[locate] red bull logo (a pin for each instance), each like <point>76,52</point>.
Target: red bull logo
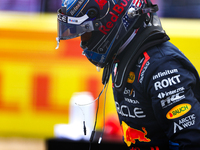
<point>131,134</point>
<point>115,12</point>
<point>101,3</point>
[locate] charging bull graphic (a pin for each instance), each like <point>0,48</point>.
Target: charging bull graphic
<point>131,134</point>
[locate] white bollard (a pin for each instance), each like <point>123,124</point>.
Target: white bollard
<point>82,108</point>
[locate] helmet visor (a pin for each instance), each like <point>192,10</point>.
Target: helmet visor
<point>69,31</point>
<point>71,27</point>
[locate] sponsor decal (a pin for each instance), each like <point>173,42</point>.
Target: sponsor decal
<point>62,18</point>
<point>79,3</point>
<point>167,82</point>
<point>125,111</point>
<point>115,12</point>
<point>131,134</point>
<point>162,95</point>
<point>131,77</point>
<point>173,97</point>
<point>132,101</point>
<point>143,71</point>
<point>73,20</point>
<point>165,73</point>
<point>101,3</point>
<point>144,67</point>
<point>129,92</point>
<point>178,111</point>
<point>184,123</point>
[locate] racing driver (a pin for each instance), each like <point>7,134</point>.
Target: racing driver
<point>156,88</point>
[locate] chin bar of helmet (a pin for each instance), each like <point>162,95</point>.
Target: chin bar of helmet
<point>132,12</point>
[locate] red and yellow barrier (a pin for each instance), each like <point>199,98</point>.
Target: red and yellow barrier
<point>37,81</point>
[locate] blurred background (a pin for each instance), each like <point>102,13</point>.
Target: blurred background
<point>37,82</point>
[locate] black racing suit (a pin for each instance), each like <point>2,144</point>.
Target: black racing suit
<point>160,102</point>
